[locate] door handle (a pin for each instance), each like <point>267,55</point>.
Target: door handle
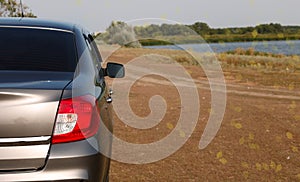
<point>109,99</point>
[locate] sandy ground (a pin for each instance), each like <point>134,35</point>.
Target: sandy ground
<point>259,139</point>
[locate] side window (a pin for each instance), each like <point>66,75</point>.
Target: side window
<point>95,48</point>
<point>95,55</point>
<point>88,44</point>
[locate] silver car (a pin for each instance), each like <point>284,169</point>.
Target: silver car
<point>49,130</point>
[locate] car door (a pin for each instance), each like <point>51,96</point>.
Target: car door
<point>103,101</point>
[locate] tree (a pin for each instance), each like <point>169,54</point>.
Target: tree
<point>12,8</point>
<point>201,28</point>
<point>122,34</point>
<point>269,28</point>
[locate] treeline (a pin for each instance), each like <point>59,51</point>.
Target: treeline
<point>272,28</point>
<point>186,33</point>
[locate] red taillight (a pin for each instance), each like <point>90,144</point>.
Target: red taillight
<point>76,120</point>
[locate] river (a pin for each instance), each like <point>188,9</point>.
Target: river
<point>276,47</point>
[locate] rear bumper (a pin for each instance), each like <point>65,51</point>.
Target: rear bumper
<point>77,161</point>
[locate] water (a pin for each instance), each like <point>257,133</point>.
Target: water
<point>276,47</point>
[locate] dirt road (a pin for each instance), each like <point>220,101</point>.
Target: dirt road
<point>259,139</point>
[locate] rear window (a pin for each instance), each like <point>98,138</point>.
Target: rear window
<point>29,49</point>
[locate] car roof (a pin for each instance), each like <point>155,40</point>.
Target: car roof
<point>36,22</point>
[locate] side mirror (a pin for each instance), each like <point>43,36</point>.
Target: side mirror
<point>114,70</point>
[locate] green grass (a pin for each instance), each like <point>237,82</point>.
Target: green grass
<point>250,37</point>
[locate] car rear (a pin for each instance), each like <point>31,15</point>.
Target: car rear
<point>46,134</point>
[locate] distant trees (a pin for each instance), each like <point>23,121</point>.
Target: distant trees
<point>269,28</point>
<point>165,34</point>
<point>200,27</point>
<point>12,8</point>
<point>204,29</point>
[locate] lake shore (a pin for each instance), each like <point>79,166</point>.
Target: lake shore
<point>198,39</point>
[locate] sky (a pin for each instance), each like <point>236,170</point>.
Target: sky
<point>97,15</point>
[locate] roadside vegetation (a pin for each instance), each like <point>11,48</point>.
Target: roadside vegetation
<point>249,58</point>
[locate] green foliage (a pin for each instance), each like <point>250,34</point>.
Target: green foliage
<point>217,38</point>
<point>269,28</point>
<point>200,27</point>
<point>261,29</point>
<point>152,42</point>
<point>177,33</point>
<point>12,8</point>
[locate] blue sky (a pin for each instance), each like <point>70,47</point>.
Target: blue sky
<point>98,14</point>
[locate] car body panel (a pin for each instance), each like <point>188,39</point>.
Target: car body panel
<point>29,101</point>
<point>77,161</point>
<point>28,110</point>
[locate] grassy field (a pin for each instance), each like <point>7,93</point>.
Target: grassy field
<point>259,139</point>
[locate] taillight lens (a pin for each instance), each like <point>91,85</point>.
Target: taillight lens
<point>77,119</point>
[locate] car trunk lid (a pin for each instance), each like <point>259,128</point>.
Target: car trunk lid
<point>28,107</point>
